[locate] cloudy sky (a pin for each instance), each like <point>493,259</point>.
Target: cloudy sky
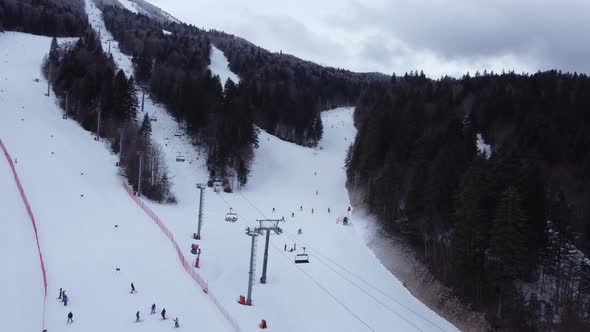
<point>438,36</point>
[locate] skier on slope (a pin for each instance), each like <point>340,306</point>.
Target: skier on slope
<point>176,322</point>
<point>65,299</point>
<point>70,318</point>
<point>132,288</point>
<point>137,316</point>
<point>300,232</point>
<point>292,214</point>
<point>153,309</point>
<point>163,313</point>
<point>60,293</point>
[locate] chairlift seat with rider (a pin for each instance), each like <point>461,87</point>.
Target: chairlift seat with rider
<point>180,158</point>
<point>230,216</point>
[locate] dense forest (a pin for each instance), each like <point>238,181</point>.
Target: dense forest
<point>500,227</point>
<point>104,101</point>
<point>56,18</point>
<point>174,68</point>
<point>288,93</point>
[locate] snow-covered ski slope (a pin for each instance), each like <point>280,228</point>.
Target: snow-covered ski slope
<point>76,195</point>
<point>220,66</point>
<point>344,287</point>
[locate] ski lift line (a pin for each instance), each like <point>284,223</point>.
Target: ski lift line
<point>310,277</point>
<point>323,288</point>
<point>318,253</point>
<point>351,273</point>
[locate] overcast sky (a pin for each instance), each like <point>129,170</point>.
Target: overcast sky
<point>438,36</point>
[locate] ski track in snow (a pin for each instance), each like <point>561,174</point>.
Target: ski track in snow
<point>343,288</point>
<point>220,66</point>
<point>58,162</point>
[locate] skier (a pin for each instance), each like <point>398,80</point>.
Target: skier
<point>292,214</point>
<point>285,247</point>
<point>316,192</point>
<point>163,313</point>
<point>273,210</point>
<point>176,322</point>
<point>301,208</point>
<point>300,232</point>
<point>137,316</point>
<point>294,246</point>
<point>60,293</point>
<point>311,210</point>
<point>65,299</point>
<point>70,318</point>
<point>328,210</point>
<point>132,288</point>
<point>153,309</point>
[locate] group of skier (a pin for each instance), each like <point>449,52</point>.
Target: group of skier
<point>152,311</point>
<point>64,298</point>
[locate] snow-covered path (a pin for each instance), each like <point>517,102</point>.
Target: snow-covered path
<point>72,184</point>
<point>344,287</point>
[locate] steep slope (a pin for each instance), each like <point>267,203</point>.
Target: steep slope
<point>88,226</point>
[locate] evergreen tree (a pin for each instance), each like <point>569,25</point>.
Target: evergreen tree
<point>243,173</point>
<point>145,130</point>
<point>508,252</point>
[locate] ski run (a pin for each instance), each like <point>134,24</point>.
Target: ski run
<point>96,240</point>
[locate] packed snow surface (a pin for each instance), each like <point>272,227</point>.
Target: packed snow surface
<point>131,6</point>
<point>220,66</point>
<point>482,147</point>
<point>75,191</point>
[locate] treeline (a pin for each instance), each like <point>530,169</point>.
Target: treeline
<point>288,93</point>
<point>104,101</point>
<point>57,18</point>
<point>174,67</point>
<point>502,229</point>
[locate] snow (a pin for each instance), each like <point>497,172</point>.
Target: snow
<point>130,6</point>
<point>482,147</point>
<point>343,288</point>
<point>58,162</point>
<point>220,66</point>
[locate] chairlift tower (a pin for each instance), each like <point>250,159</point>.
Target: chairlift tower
<point>267,226</point>
<point>254,234</point>
<point>201,187</point>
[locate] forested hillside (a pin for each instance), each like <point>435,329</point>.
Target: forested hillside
<point>289,93</point>
<point>104,101</point>
<point>57,18</point>
<point>500,228</point>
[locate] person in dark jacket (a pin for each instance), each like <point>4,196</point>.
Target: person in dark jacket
<point>132,288</point>
<point>65,299</point>
<point>153,309</point>
<point>176,322</point>
<point>70,318</point>
<point>163,313</point>
<point>137,316</point>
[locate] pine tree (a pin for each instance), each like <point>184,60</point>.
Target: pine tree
<point>508,252</point>
<point>145,130</point>
<point>243,173</point>
<point>54,52</point>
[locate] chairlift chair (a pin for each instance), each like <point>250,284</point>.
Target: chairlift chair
<point>178,134</point>
<point>302,258</point>
<point>153,118</point>
<point>230,216</point>
<point>180,158</point>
